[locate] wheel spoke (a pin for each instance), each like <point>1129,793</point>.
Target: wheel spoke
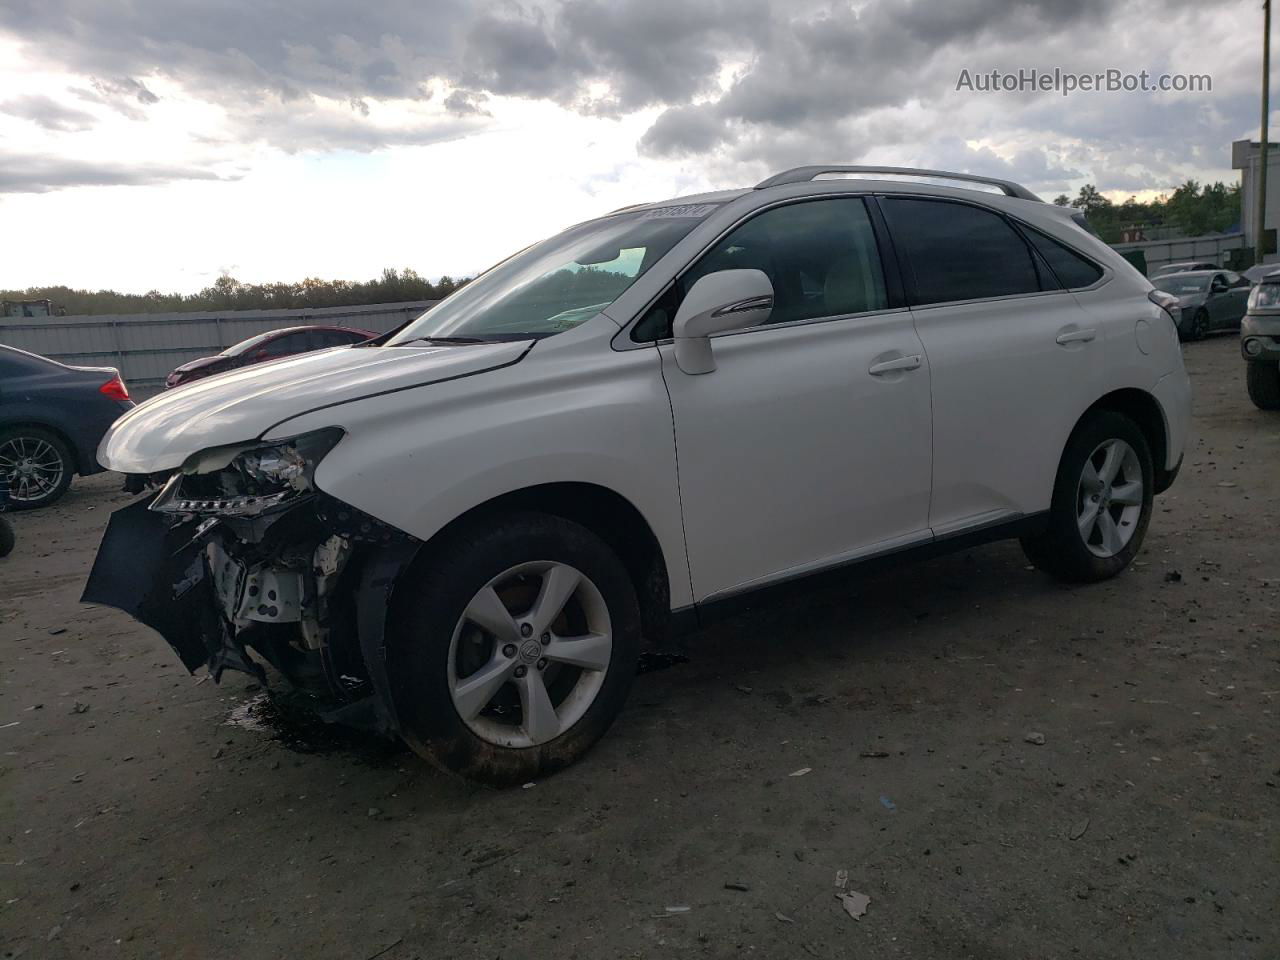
<point>472,694</point>
<point>488,612</point>
<point>591,652</point>
<point>1088,517</point>
<point>558,585</point>
<point>1089,478</point>
<point>1112,541</point>
<point>1111,463</point>
<point>541,723</point>
<point>1127,494</point>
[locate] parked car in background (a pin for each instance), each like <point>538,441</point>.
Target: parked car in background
<point>1259,270</point>
<point>51,418</point>
<point>1169,268</point>
<point>460,535</point>
<point>1260,344</point>
<point>273,345</point>
<point>1211,300</point>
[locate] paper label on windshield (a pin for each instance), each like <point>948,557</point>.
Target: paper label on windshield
<point>680,211</point>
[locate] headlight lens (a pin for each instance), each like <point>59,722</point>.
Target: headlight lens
<point>1264,296</point>
<point>247,479</point>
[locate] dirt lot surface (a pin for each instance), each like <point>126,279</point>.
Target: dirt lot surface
<point>137,821</point>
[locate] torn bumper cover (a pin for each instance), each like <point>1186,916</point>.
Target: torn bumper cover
<point>240,554</point>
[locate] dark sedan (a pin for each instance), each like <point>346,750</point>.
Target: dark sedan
<point>268,346</point>
<point>51,419</point>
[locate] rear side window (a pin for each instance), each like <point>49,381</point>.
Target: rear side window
<point>959,252</point>
<point>1071,269</point>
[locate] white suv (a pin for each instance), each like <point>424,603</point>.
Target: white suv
<point>459,534</point>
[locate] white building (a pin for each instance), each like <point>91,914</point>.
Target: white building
<point>1244,157</point>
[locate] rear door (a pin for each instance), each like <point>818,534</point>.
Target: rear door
<point>1012,355</point>
<point>808,445</point>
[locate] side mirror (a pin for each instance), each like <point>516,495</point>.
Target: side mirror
<point>718,302</point>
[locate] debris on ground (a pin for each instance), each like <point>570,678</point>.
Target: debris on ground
<point>842,879</point>
<point>782,917</point>
<point>1173,576</point>
<point>1079,829</point>
<point>874,754</point>
<point>736,885</point>
<point>888,804</point>
<point>374,813</point>
<point>679,909</point>
<point>855,904</point>
<point>801,772</point>
<point>1035,738</point>
<point>79,707</point>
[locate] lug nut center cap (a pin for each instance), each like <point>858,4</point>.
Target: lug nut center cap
<point>530,651</point>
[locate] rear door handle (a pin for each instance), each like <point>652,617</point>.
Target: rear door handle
<point>1077,336</point>
<point>889,366</point>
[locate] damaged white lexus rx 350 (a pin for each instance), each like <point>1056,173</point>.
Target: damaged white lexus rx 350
<point>459,534</point>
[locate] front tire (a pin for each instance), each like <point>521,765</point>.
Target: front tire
<point>1263,381</point>
<point>37,466</point>
<point>1101,502</point>
<point>514,649</point>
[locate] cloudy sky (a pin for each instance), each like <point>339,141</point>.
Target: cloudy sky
<point>158,143</point>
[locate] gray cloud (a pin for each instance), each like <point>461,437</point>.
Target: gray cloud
<point>48,113</point>
<point>745,85</point>
<point>25,173</point>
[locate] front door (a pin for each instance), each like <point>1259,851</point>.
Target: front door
<point>809,444</point>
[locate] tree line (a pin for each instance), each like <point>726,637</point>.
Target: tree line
<point>1192,209</point>
<point>228,293</point>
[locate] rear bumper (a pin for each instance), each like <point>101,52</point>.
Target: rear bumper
<point>1173,394</point>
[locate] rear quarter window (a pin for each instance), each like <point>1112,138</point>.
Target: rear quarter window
<point>1071,269</point>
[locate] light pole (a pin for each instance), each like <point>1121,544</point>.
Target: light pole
<point>1260,216</point>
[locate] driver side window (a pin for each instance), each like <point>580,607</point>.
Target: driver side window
<point>820,255</point>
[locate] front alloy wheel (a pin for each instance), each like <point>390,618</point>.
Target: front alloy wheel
<point>529,654</point>
<point>511,647</point>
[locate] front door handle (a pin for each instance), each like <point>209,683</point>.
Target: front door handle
<point>889,366</point>
<point>1077,336</point>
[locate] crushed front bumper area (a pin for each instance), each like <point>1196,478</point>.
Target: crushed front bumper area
<point>306,587</point>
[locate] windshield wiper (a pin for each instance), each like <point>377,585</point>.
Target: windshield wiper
<point>446,341</point>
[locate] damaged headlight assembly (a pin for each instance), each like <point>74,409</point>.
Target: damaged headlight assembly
<point>247,479</point>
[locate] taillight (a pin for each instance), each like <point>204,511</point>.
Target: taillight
<point>1168,303</point>
<point>115,389</point>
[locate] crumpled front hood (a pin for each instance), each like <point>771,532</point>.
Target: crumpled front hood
<point>243,404</point>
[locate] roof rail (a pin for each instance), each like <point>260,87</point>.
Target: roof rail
<point>805,174</point>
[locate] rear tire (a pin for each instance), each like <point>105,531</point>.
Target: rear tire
<point>1263,380</point>
<point>481,648</point>
<point>37,466</point>
<point>6,537</point>
<point>1198,329</point>
<point>1101,502</point>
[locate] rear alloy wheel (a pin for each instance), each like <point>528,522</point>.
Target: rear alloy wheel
<point>1198,328</point>
<point>513,649</point>
<point>1101,502</point>
<point>1263,380</point>
<point>36,465</point>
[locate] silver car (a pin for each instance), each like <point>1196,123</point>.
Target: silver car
<point>1210,299</point>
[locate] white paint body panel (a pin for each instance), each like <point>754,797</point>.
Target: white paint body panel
<point>792,455</point>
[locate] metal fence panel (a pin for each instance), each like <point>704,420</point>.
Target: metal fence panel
<point>145,347</point>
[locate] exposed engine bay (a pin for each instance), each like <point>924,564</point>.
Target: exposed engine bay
<point>241,555</point>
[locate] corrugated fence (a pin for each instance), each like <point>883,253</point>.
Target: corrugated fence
<point>146,346</point>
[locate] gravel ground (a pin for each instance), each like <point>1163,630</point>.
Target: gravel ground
<point>148,813</point>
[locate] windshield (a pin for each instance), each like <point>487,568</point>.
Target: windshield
<point>559,283</point>
<point>246,345</point>
<point>1180,285</point>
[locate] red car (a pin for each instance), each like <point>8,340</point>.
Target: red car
<point>268,346</point>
